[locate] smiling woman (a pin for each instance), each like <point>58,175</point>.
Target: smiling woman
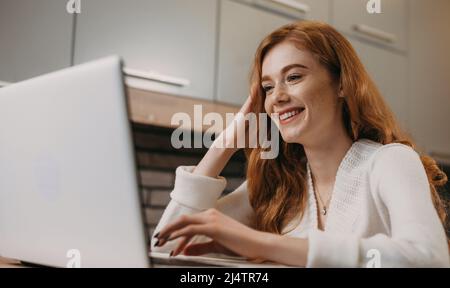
<point>341,153</point>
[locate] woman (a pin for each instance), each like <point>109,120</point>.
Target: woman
<point>346,182</point>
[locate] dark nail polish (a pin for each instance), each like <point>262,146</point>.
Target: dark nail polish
<point>156,235</point>
<point>171,253</point>
<point>157,242</point>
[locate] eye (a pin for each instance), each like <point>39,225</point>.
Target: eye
<point>293,77</point>
<point>267,88</point>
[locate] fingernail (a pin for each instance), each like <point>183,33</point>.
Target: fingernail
<point>171,253</point>
<point>156,235</point>
<point>157,242</point>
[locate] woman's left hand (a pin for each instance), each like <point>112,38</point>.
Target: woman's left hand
<point>228,235</point>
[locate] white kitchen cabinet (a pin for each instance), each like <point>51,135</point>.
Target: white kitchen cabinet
<point>243,24</point>
<point>389,72</point>
<point>241,30</point>
<point>429,77</point>
<point>35,38</point>
<point>172,41</point>
<point>295,9</point>
<point>388,28</point>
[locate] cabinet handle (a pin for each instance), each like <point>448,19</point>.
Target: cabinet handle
<point>293,5</point>
<point>155,76</point>
<point>375,33</point>
<point>3,84</point>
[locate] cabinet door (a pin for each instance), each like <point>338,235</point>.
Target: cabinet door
<point>242,28</point>
<point>295,9</point>
<point>389,71</point>
<point>429,77</point>
<point>172,39</point>
<point>35,38</point>
<point>388,28</point>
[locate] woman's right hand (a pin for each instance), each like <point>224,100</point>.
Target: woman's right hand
<point>237,128</point>
<point>225,145</point>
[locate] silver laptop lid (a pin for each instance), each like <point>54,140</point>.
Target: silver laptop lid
<point>68,186</point>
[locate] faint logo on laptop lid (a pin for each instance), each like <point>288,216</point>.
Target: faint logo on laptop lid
<point>47,178</point>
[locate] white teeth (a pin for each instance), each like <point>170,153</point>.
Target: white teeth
<point>287,115</point>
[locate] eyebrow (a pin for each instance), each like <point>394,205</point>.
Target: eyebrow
<point>285,69</point>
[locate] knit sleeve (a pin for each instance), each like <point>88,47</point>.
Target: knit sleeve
<point>417,239</point>
<point>195,193</point>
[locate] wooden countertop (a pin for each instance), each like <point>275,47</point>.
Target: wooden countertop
<point>154,108</point>
<point>9,263</point>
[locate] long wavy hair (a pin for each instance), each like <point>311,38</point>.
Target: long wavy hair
<point>277,187</point>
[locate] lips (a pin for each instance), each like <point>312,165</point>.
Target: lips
<point>289,114</point>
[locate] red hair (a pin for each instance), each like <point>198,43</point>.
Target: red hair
<point>277,187</point>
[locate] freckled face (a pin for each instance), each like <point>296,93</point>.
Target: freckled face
<point>302,91</point>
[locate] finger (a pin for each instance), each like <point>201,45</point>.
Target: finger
<point>253,94</point>
<point>248,101</point>
<point>200,248</point>
<point>181,245</point>
<point>245,108</point>
<point>257,260</point>
<point>189,231</point>
<point>247,105</point>
<point>179,223</point>
<point>207,247</point>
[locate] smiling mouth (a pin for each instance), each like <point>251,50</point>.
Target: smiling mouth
<point>288,116</point>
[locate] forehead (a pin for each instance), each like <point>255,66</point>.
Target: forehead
<point>284,54</point>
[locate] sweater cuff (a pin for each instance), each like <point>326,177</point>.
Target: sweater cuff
<point>196,191</point>
<point>326,249</point>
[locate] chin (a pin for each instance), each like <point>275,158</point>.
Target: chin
<point>291,136</point>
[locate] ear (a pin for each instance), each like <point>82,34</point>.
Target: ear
<point>341,92</point>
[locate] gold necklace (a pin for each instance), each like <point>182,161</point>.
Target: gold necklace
<point>324,207</point>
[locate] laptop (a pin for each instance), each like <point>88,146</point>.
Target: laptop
<point>69,194</point>
<point>68,183</point>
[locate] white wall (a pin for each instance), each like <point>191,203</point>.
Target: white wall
<point>429,74</point>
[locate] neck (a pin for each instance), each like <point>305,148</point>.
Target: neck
<point>325,156</point>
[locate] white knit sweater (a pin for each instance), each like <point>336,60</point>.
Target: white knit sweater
<point>381,209</point>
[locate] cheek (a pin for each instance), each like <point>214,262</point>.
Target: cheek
<point>268,110</point>
<point>324,110</point>
<point>267,106</point>
<point>320,97</point>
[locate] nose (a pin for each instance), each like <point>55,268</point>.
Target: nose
<point>280,95</point>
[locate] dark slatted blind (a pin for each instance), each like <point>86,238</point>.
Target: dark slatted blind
<point>157,161</point>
